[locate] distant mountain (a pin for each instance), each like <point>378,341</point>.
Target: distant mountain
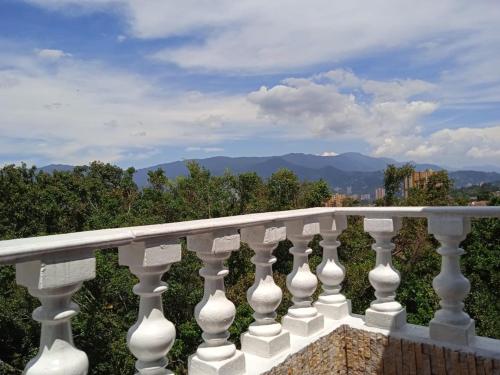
<point>467,178</point>
<point>350,161</point>
<point>362,173</point>
<point>483,168</point>
<point>57,167</point>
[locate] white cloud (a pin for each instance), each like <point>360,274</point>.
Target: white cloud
<point>328,153</point>
<point>256,35</point>
<point>204,149</point>
<point>259,36</point>
<point>51,54</point>
<point>462,146</point>
<point>313,106</point>
<point>75,111</point>
<point>121,38</point>
<point>391,122</point>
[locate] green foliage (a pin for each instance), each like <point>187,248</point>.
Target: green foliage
<point>393,178</point>
<point>103,196</point>
<point>314,194</point>
<point>283,190</point>
<point>482,264</point>
<point>485,192</point>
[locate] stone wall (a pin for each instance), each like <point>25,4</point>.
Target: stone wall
<point>352,351</point>
<point>326,356</point>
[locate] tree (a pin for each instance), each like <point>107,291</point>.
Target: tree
<point>283,190</point>
<point>438,189</point>
<point>393,179</point>
<point>314,194</point>
<point>251,193</point>
<point>104,196</point>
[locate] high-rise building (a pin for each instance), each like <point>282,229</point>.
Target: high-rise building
<point>379,193</point>
<point>416,180</point>
<point>336,200</point>
<point>349,190</point>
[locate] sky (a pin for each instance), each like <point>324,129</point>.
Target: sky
<point>141,82</point>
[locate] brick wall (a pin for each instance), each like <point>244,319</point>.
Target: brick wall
<point>352,351</point>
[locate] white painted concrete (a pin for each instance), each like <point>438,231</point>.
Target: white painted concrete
<point>215,313</point>
<point>385,311</point>
<point>331,303</point>
<point>265,336</point>
<point>12,251</point>
<point>451,323</point>
<point>302,318</point>
<point>152,336</point>
<point>53,282</point>
<point>54,267</point>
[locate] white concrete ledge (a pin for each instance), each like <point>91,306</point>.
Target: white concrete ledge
<point>14,251</point>
<point>25,249</point>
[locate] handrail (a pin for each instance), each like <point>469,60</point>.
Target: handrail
<point>467,211</point>
<point>24,249</point>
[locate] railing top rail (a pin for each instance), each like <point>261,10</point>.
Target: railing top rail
<point>467,211</point>
<point>24,249</point>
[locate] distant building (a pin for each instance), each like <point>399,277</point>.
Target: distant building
<point>336,200</point>
<point>379,193</point>
<point>416,180</point>
<point>349,190</point>
<point>479,203</point>
<point>365,197</point>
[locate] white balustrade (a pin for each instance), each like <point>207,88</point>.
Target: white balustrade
<point>53,280</point>
<point>54,267</point>
<point>265,336</point>
<point>451,322</point>
<point>215,313</point>
<point>302,318</point>
<point>331,303</point>
<point>152,336</point>
<point>385,311</point>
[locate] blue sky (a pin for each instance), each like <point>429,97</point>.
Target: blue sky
<point>144,82</point>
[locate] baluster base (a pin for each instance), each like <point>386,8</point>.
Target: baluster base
<point>335,311</point>
<point>153,367</point>
<point>49,361</point>
<point>234,365</point>
<point>456,334</point>
<point>385,319</point>
<point>263,346</point>
<point>303,326</point>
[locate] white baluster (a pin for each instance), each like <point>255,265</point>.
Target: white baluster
<point>152,336</point>
<point>265,337</point>
<point>54,280</point>
<point>215,313</point>
<point>451,323</point>
<point>385,311</point>
<point>302,318</point>
<point>331,303</point>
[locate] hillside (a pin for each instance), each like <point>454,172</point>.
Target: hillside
<point>361,172</point>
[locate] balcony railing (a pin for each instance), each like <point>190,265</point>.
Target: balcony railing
<point>54,267</point>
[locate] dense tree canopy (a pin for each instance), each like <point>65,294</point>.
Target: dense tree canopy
<point>100,195</point>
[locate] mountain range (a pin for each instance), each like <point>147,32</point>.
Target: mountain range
<point>362,173</point>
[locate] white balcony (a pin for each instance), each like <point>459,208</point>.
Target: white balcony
<point>54,267</point>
